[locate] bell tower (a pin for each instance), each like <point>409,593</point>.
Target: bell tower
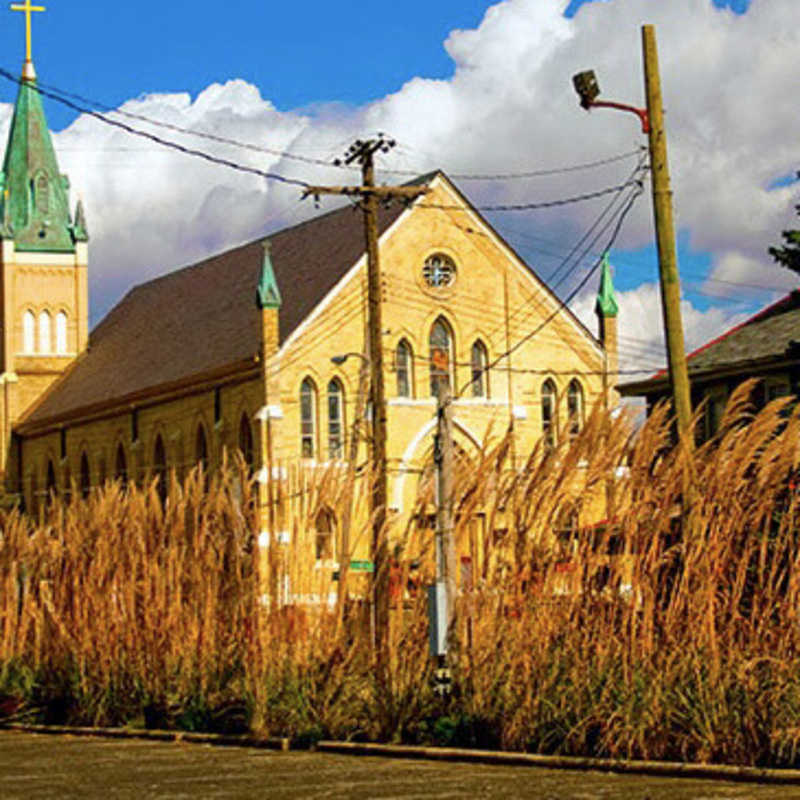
<point>44,295</point>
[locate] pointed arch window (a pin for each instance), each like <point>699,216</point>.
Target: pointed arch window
<point>160,469</point>
<point>28,332</point>
<point>479,364</point>
<point>324,527</point>
<point>246,441</point>
<point>549,406</point>
<point>575,410</point>
<point>440,343</point>
<point>86,476</point>
<point>45,345</point>
<point>120,465</point>
<point>308,418</point>
<point>335,420</point>
<point>61,333</point>
<point>404,367</point>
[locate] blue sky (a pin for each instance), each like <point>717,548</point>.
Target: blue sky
<point>297,53</point>
<point>336,70</point>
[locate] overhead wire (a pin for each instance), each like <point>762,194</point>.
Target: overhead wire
<point>634,195</point>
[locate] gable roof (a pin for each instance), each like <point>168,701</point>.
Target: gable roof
<point>204,317</point>
<point>771,334</point>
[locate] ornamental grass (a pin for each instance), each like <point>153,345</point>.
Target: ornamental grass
<point>669,631</point>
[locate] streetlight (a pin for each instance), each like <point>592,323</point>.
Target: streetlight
<point>652,119</point>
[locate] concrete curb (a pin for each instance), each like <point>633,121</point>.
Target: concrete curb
<point>218,739</point>
<point>664,769</point>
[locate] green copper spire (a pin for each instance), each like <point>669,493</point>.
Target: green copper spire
<point>267,293</point>
<point>606,301</point>
<point>35,204</point>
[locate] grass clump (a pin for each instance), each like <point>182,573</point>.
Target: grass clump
<point>671,632</point>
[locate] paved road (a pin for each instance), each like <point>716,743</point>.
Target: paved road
<point>34,766</point>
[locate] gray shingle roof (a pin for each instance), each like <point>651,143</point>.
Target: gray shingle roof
<point>773,333</point>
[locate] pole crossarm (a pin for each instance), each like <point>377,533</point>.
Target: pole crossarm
<point>386,192</point>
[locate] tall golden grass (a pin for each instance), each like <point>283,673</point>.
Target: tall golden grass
<point>672,631</point>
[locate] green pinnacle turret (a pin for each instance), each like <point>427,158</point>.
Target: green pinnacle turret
<point>606,305</point>
<point>267,293</point>
<point>35,200</point>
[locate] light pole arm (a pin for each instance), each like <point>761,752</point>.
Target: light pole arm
<point>644,117</point>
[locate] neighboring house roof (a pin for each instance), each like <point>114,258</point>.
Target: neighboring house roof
<point>772,335</point>
<point>205,317</point>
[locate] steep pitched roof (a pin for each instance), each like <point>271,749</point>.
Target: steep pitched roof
<point>772,333</point>
<point>205,317</point>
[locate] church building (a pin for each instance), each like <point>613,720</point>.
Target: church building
<point>260,348</point>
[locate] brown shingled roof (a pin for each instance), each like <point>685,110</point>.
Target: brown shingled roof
<point>204,317</point>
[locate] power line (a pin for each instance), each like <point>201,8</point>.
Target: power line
<point>634,195</point>
<point>564,201</point>
<point>538,173</point>
<point>164,142</point>
<point>105,107</point>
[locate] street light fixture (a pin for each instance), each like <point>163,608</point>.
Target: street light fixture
<point>588,90</point>
<point>342,357</point>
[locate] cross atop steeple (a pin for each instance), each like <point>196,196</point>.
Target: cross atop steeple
<point>28,9</point>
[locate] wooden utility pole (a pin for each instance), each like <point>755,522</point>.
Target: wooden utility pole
<point>665,238</point>
<point>347,514</point>
<point>363,152</point>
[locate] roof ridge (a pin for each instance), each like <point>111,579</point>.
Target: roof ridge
<point>422,179</point>
<point>762,314</point>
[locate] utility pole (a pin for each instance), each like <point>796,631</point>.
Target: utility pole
<point>363,152</point>
<point>652,119</point>
<point>352,458</point>
<point>665,237</point>
<point>443,456</point>
<point>442,595</point>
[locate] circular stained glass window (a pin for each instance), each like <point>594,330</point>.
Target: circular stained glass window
<point>439,271</point>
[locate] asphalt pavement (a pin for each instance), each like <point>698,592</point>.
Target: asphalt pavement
<point>39,767</point>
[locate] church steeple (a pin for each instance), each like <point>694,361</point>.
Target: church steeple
<point>35,204</point>
<point>606,301</point>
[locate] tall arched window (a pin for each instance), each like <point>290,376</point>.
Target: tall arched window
<point>480,375</point>
<point>335,420</point>
<point>441,348</point>
<point>45,344</point>
<point>575,407</point>
<point>404,367</point>
<point>120,465</point>
<point>28,332</point>
<point>61,333</point>
<point>246,441</point>
<point>86,476</point>
<point>160,469</point>
<point>549,406</point>
<point>201,447</point>
<point>324,526</point>
<point>308,418</point>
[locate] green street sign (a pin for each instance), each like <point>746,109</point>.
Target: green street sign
<point>362,566</point>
